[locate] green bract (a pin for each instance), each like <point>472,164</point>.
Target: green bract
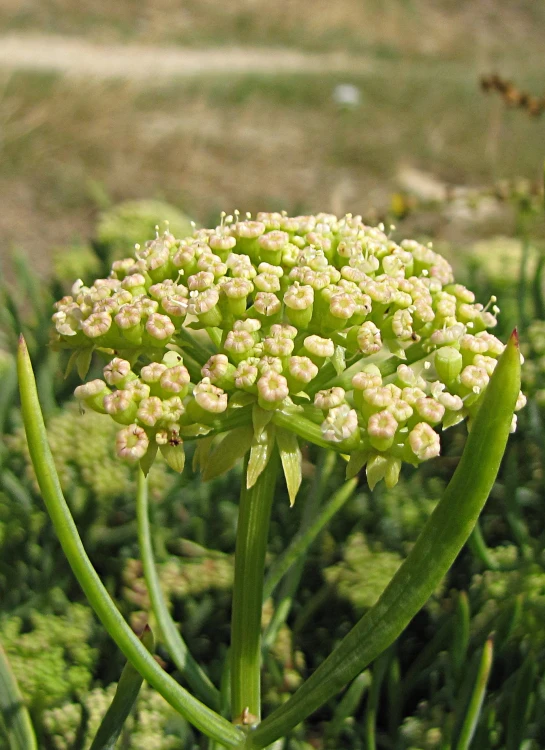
<point>283,328</point>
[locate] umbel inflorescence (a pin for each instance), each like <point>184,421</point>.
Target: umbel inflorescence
<point>279,329</point>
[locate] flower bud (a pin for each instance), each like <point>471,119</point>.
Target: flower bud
<point>208,401</point>
<point>448,363</point>
<point>246,376</point>
<point>272,389</point>
<point>96,325</point>
<point>129,320</point>
<point>220,371</point>
<point>301,370</point>
<point>429,410</point>
<point>151,373</point>
<point>299,305</point>
<point>369,338</point>
<point>150,411</point>
<point>330,398</point>
<point>236,292</point>
<point>121,406</point>
<point>267,307</point>
<point>175,380</point>
<point>239,345</point>
<point>92,394</point>
<point>204,306</point>
<point>381,429</point>
<point>424,442</point>
<point>318,349</point>
<point>132,443</point>
<point>118,372</point>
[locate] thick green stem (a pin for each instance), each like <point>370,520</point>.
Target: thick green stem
<point>251,544</point>
<point>196,678</point>
<point>292,561</point>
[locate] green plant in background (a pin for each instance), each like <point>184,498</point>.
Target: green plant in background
<point>279,331</point>
<point>122,226</point>
<point>57,646</point>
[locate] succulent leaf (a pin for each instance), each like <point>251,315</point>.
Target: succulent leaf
<point>290,455</point>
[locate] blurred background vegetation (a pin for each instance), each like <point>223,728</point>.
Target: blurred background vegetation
<point>117,116</point>
<point>90,115</point>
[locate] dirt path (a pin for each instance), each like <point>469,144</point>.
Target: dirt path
<point>78,57</point>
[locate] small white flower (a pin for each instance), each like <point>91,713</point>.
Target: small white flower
<point>340,424</point>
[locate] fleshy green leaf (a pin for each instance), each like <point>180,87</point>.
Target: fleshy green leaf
<point>260,419</point>
<point>232,447</point>
<point>123,701</point>
<point>260,453</point>
<point>71,363</point>
<point>17,721</point>
<point>391,476</point>
<point>521,703</point>
<point>202,451</point>
<point>83,362</point>
<point>202,717</point>
<point>194,430</point>
<point>438,545</point>
<point>460,632</point>
<point>240,399</point>
<point>338,360</point>
<point>356,462</point>
<point>376,469</point>
<point>471,699</point>
<point>290,455</point>
<point>148,458</point>
<point>174,455</point>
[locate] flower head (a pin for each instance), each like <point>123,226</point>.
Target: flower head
<point>298,328</point>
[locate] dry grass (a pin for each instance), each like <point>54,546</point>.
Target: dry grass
<point>484,29</point>
<point>247,143</point>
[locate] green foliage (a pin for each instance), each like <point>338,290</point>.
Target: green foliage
<point>154,725</point>
<point>87,465</point>
<point>77,261</point>
<point>363,574</point>
<point>180,579</point>
<point>492,591</point>
<point>121,227</point>
<point>50,655</point>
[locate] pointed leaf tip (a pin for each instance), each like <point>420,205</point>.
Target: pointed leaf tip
<point>22,344</point>
<point>515,337</point>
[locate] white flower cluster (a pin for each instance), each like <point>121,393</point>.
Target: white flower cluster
<point>325,319</point>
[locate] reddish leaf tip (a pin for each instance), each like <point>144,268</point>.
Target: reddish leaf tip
<point>515,337</point>
<point>22,342</point>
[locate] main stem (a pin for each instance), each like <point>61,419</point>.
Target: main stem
<point>251,545</point>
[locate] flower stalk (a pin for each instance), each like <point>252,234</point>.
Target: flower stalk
<point>196,678</point>
<point>251,544</point>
